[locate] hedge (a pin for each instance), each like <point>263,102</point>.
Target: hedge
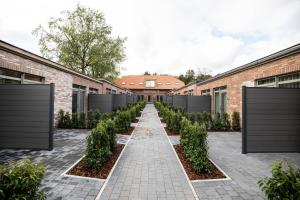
<point>101,141</point>
<point>194,142</point>
<point>21,180</point>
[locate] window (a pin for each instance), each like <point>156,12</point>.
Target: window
<point>14,77</point>
<point>93,91</point>
<point>140,97</point>
<point>108,91</point>
<point>78,98</point>
<point>205,92</point>
<point>289,81</point>
<point>113,91</point>
<point>266,82</point>
<point>284,81</point>
<point>168,83</point>
<point>31,79</point>
<point>141,83</point>
<point>123,83</point>
<point>220,99</point>
<point>159,83</point>
<point>150,83</point>
<point>131,83</point>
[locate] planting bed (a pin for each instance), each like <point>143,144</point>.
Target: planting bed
<point>129,132</point>
<point>169,132</point>
<point>214,172</point>
<point>80,170</point>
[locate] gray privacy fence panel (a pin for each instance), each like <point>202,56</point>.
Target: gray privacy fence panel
<point>271,120</point>
<point>169,99</point>
<point>180,101</point>
<point>131,99</point>
<point>101,102</point>
<point>26,116</point>
<point>198,104</point>
<point>119,100</point>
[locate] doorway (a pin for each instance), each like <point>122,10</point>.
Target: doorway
<point>149,100</point>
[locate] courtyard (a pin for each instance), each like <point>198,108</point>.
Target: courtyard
<point>148,167</point>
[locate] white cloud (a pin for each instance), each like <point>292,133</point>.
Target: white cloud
<point>171,36</point>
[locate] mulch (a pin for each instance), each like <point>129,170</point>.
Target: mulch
<point>214,172</point>
<point>81,170</point>
<point>135,120</point>
<point>129,132</point>
<point>169,132</point>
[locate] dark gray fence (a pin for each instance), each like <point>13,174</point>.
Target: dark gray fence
<point>189,103</point>
<point>26,116</point>
<point>198,104</point>
<point>109,102</point>
<point>119,101</point>
<point>100,102</point>
<point>271,120</point>
<point>180,101</point>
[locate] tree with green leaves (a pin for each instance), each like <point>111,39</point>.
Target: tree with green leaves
<point>191,76</point>
<point>81,40</point>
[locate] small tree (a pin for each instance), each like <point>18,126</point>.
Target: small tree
<point>236,126</point>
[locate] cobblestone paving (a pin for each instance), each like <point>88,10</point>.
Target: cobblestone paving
<point>148,169</point>
<point>69,146</point>
<point>244,169</point>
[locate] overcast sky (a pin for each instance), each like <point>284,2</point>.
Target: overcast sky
<point>171,36</point>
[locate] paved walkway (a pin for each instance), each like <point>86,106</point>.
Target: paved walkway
<point>148,169</point>
<point>69,146</point>
<point>244,169</point>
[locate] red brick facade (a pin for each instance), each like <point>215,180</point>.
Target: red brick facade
<point>16,59</point>
<point>248,77</point>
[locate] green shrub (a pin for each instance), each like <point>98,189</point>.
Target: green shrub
<point>194,142</point>
<point>98,147</point>
<point>111,131</point>
<point>75,121</point>
<point>236,126</point>
<point>123,121</point>
<point>82,120</point>
<point>191,116</point>
<point>133,113</point>
<point>207,120</point>
<point>284,183</point>
<point>93,117</point>
<point>61,119</point>
<point>217,122</point>
<point>175,121</point>
<point>185,125</point>
<point>68,120</point>
<point>225,122</point>
<point>21,180</point>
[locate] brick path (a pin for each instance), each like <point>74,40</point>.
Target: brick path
<point>69,146</point>
<point>148,169</point>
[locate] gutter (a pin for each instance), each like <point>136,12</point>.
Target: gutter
<point>267,59</point>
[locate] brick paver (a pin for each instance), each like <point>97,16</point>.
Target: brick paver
<point>244,169</point>
<point>148,169</point>
<point>69,146</point>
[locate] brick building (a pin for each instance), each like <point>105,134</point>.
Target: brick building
<point>18,66</point>
<point>150,87</point>
<point>281,69</point>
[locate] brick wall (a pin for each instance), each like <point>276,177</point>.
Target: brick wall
<point>235,82</point>
<point>63,80</point>
<point>186,89</point>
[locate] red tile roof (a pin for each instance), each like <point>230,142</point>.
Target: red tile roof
<point>139,82</point>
